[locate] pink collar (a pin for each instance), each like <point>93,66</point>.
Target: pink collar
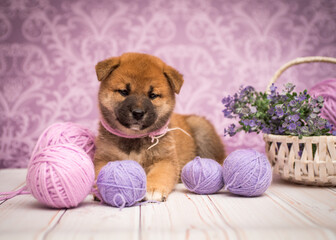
<point>118,133</point>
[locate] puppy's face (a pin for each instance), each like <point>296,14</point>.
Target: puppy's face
<point>137,92</point>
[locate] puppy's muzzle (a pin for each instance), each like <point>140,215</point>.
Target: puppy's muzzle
<point>138,114</point>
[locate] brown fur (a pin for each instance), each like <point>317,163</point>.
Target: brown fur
<point>162,163</point>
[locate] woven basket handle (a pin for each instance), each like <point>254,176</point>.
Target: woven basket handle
<point>296,62</point>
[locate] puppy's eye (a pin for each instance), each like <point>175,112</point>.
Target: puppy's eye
<point>123,92</point>
<point>153,96</point>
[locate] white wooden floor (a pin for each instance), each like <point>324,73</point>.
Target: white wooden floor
<point>285,211</point>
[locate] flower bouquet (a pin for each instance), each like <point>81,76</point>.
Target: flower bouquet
<point>300,144</point>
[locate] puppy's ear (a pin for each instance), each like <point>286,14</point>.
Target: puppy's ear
<point>174,78</point>
<point>106,67</point>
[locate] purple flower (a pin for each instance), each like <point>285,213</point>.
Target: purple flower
<point>334,133</point>
<point>266,130</point>
<point>226,100</point>
<point>302,97</point>
<point>246,122</point>
<point>292,103</point>
<point>295,117</point>
<point>247,90</point>
<point>272,93</point>
<point>321,123</point>
<point>329,125</point>
<point>291,127</point>
<point>231,105</point>
<point>232,126</point>
<point>271,111</point>
<point>279,111</point>
<point>292,118</point>
<point>276,113</point>
<point>252,123</point>
<point>273,88</point>
<point>227,113</point>
<point>230,130</point>
<point>281,130</point>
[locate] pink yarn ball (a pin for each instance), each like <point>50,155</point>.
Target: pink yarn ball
<point>67,132</point>
<point>60,176</point>
<point>327,89</point>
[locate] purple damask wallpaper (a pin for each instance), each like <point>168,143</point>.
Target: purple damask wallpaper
<point>48,50</point>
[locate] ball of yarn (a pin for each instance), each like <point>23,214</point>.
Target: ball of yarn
<point>122,183</point>
<point>247,173</point>
<point>327,89</point>
<point>202,176</point>
<point>60,176</point>
<point>67,132</point>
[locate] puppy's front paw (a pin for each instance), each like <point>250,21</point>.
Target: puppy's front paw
<point>161,180</point>
<point>155,195</point>
<point>157,191</point>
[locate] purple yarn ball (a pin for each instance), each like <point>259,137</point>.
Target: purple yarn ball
<point>122,183</point>
<point>202,176</point>
<point>247,173</point>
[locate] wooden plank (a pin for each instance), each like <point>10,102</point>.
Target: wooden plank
<point>92,220</point>
<point>268,217</point>
<point>22,217</point>
<point>318,204</point>
<point>183,216</point>
<point>11,179</point>
<point>285,211</point>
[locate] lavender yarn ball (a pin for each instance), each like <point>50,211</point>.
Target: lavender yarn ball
<point>327,89</point>
<point>122,183</point>
<point>202,176</point>
<point>247,173</point>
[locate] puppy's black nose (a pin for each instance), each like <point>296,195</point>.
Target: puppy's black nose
<point>138,114</point>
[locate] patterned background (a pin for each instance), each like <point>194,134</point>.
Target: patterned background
<point>48,50</point>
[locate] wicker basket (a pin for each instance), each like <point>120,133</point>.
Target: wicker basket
<point>310,160</point>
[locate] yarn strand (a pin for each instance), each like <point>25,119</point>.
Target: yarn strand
<point>157,138</point>
<point>8,195</point>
